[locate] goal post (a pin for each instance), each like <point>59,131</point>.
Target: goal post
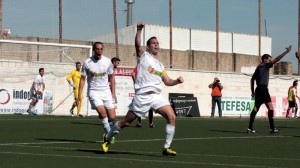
<point>48,44</point>
<point>17,75</point>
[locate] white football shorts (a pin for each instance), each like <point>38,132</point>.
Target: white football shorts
<point>101,98</point>
<point>141,104</point>
<point>34,95</point>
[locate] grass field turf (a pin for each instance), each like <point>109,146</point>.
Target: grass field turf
<point>53,141</point>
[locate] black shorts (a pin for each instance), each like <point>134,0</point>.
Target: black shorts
<point>262,95</point>
<point>292,104</point>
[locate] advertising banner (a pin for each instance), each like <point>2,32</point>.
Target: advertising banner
<point>124,89</point>
<point>185,106</point>
<point>236,105</point>
<point>243,105</point>
<point>16,101</point>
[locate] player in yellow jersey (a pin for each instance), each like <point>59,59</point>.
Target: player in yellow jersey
<point>75,75</point>
<point>292,95</point>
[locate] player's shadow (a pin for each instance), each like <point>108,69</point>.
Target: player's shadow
<point>84,123</point>
<point>283,127</point>
<point>118,152</point>
<point>238,132</point>
<point>65,140</point>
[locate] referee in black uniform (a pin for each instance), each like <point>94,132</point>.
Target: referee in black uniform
<point>261,94</point>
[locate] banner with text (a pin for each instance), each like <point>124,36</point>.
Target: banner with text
<point>236,105</point>
<point>243,105</point>
<point>16,101</point>
<point>124,89</point>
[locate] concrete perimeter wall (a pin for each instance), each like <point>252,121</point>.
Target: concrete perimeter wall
<point>188,60</point>
<point>19,74</point>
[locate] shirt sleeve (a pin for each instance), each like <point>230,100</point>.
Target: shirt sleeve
<point>110,69</point>
<point>269,64</point>
<point>84,69</point>
<point>36,80</point>
<point>70,76</point>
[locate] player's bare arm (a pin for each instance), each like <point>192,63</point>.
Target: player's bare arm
<point>171,82</point>
<point>278,58</point>
<point>133,77</point>
<point>113,86</point>
<point>35,86</point>
<point>138,47</point>
<point>81,84</point>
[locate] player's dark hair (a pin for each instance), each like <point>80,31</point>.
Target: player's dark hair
<point>41,69</point>
<point>149,40</point>
<point>96,43</point>
<point>77,63</point>
<point>295,82</point>
<point>115,59</point>
<point>265,56</point>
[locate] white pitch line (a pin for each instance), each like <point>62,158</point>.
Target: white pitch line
<point>147,140</point>
<point>204,138</point>
<point>139,160</point>
<point>184,154</point>
<point>147,152</point>
<point>242,157</point>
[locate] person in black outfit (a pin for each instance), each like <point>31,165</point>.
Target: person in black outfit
<point>261,94</point>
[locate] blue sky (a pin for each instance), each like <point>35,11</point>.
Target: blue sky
<point>83,19</point>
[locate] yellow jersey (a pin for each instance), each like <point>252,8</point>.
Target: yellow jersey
<point>75,75</point>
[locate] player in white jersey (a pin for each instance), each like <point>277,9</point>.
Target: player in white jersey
<point>148,86</point>
<point>36,91</point>
<point>99,70</point>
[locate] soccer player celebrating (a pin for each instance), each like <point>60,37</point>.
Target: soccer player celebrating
<point>148,87</point>
<point>99,70</point>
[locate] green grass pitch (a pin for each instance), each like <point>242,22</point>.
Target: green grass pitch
<point>55,141</point>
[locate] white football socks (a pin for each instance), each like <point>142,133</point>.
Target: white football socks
<point>170,131</point>
<point>105,124</point>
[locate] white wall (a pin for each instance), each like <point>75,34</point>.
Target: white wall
<point>17,74</point>
<point>234,85</point>
<point>194,39</point>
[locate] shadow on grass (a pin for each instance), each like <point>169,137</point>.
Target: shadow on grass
<point>99,124</point>
<point>238,132</point>
<point>85,123</point>
<point>281,127</point>
<point>118,153</point>
<point>65,140</point>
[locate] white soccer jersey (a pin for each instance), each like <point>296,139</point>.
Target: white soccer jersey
<point>97,72</point>
<point>149,76</point>
<point>39,80</point>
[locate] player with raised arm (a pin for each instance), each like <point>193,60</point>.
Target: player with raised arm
<point>261,93</point>
<point>148,86</point>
